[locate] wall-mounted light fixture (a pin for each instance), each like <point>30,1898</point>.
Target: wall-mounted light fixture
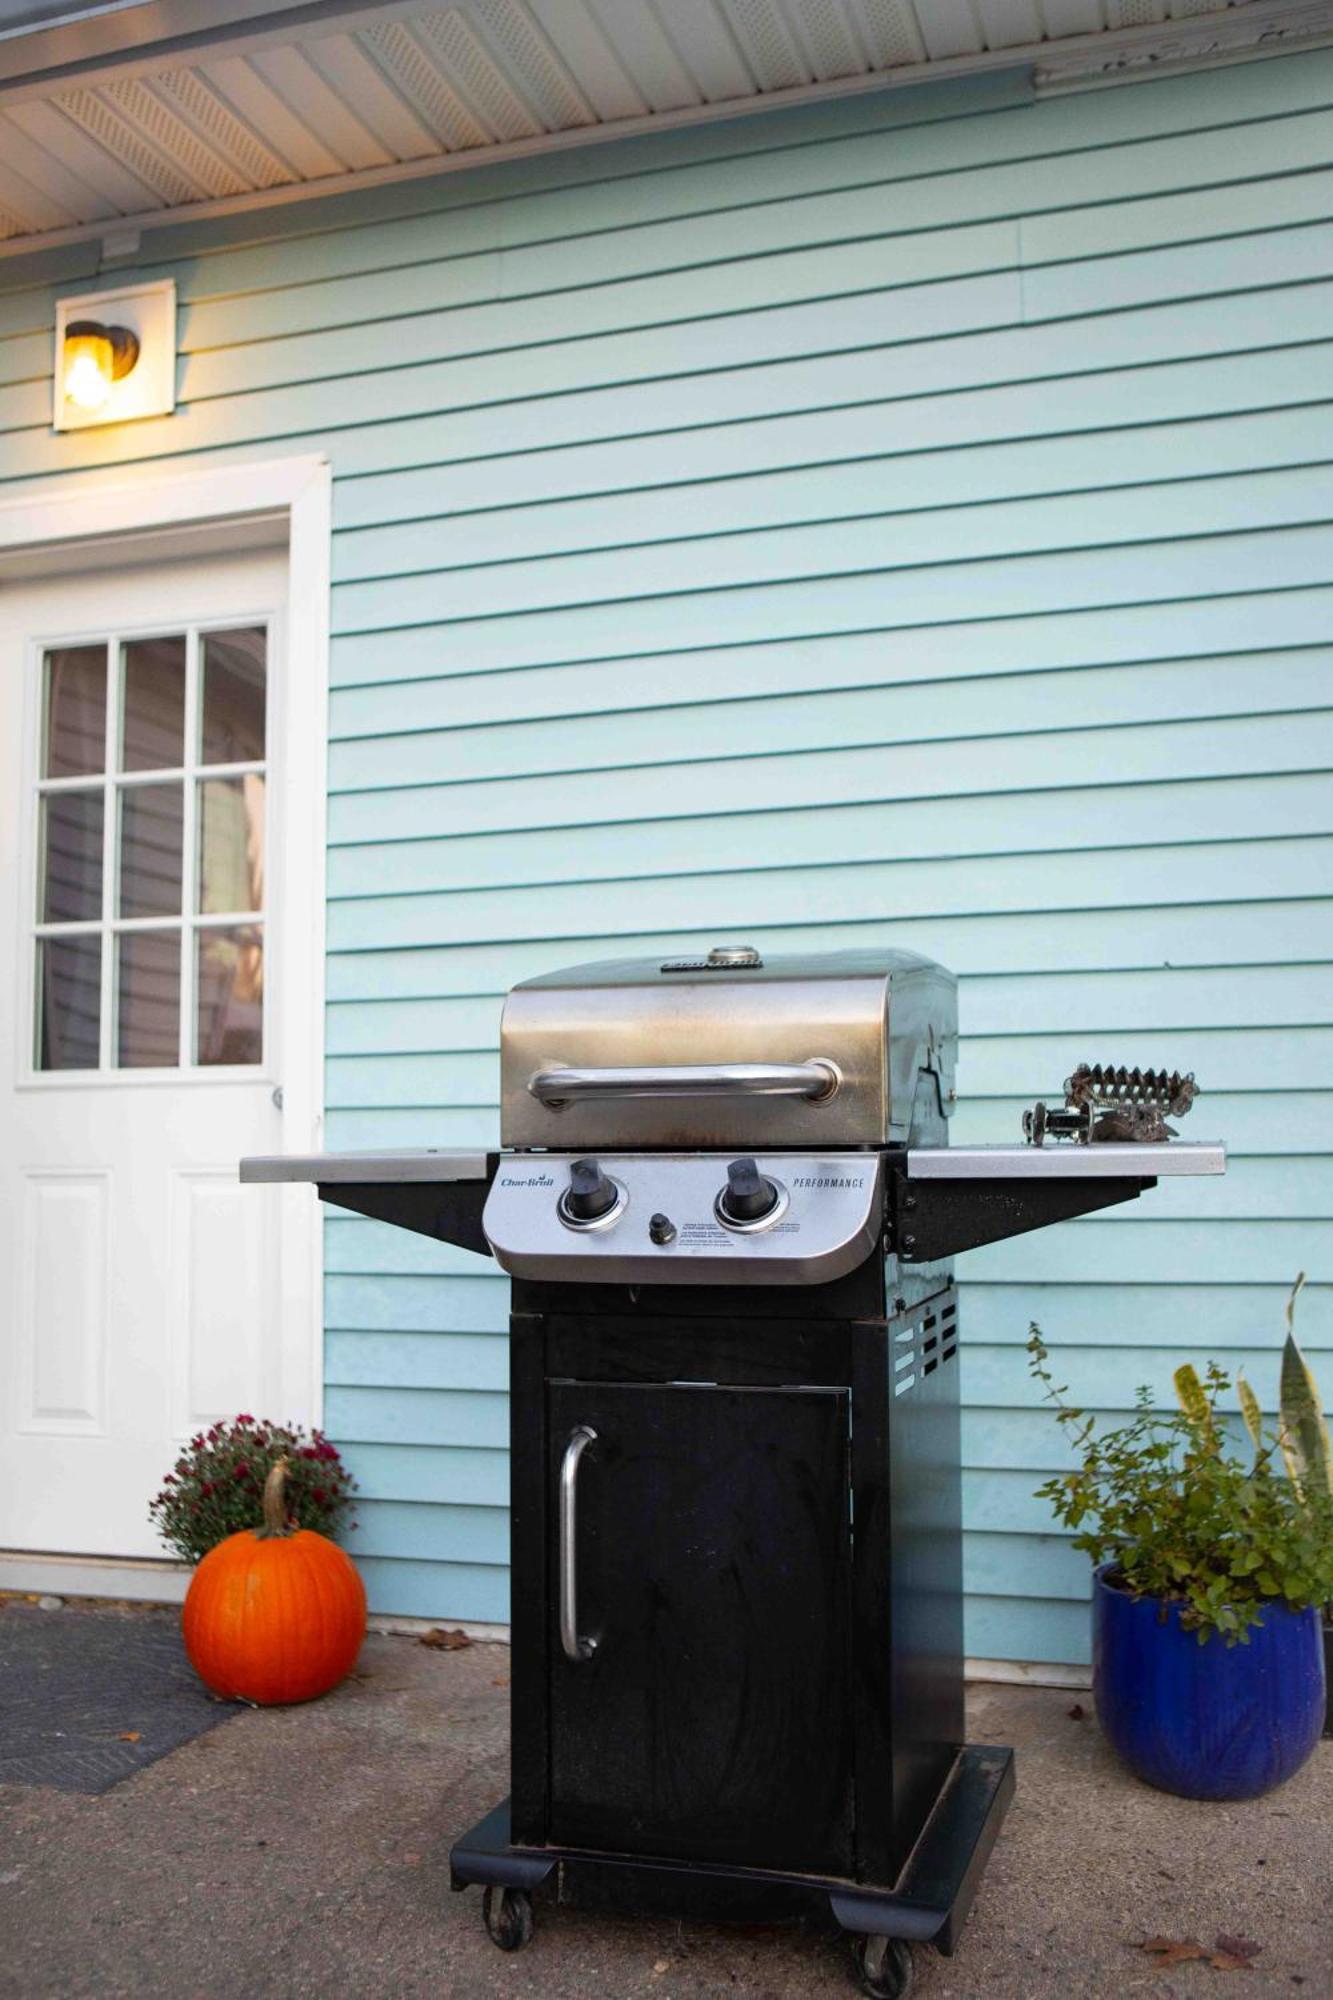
<point>115,356</point>
<point>95,357</point>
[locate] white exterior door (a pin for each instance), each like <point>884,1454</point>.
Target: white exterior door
<point>141,888</point>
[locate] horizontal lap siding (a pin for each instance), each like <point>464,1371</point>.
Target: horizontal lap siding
<point>909,522</point>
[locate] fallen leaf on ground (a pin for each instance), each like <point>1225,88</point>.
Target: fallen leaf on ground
<point>501,1683</point>
<point>444,1642</point>
<point>661,1966</point>
<point>1077,1712</point>
<point>129,1735</point>
<point>1173,1951</point>
<point>1226,1954</point>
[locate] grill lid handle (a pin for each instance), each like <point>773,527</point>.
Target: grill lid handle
<point>816,1079</point>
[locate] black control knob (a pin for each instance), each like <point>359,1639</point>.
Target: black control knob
<point>748,1195</point>
<point>661,1229</point>
<point>589,1194</point>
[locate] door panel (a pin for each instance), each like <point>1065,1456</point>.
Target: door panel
<point>141,1289</point>
<point>712,1720</point>
<point>60,1332</point>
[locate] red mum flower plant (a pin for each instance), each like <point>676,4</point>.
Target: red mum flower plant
<point>216,1487</point>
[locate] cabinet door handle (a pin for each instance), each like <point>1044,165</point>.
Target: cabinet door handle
<point>575,1647</point>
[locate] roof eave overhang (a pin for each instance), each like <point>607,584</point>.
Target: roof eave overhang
<point>102,47</point>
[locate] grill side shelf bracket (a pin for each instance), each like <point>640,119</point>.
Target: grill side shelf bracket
<point>943,1200</point>
<point>449,1212</point>
<point>934,1219</point>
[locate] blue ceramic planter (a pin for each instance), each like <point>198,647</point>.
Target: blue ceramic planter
<point>1206,1721</point>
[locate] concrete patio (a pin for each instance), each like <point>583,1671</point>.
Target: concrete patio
<point>304,1851</point>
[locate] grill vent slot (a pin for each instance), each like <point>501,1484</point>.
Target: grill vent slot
<point>922,1346</point>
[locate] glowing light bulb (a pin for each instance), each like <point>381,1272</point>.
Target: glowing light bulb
<point>96,357</point>
<point>88,372</point>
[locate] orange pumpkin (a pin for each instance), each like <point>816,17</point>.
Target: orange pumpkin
<point>274,1614</point>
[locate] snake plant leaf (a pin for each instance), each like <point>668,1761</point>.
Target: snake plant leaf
<point>1292,1297</point>
<point>1305,1439</point>
<point>1250,1410</point>
<point>1193,1401</point>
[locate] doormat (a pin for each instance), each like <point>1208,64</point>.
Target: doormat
<point>92,1697</point>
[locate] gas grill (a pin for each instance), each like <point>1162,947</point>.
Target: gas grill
<point>728,1207</point>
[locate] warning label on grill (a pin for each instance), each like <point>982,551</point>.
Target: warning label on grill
<point>717,1238</point>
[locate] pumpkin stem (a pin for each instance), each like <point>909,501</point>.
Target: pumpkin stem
<point>275,1502</point>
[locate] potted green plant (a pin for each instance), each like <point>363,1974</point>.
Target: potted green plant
<point>1211,1571</point>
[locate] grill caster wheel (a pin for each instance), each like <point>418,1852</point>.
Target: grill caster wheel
<point>883,1966</point>
<point>507,1915</point>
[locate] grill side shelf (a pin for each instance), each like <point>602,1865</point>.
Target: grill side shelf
<point>420,1163</point>
<point>440,1195</point>
<point>942,1201</point>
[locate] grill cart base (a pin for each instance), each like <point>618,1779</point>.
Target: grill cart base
<point>928,1903</point>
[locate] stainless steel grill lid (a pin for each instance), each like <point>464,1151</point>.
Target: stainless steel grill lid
<point>727,1049</point>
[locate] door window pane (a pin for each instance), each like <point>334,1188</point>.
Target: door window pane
<point>231,843</point>
<point>233,696</point>
<point>152,851</point>
<point>74,737</point>
<point>151,831</point>
<point>153,729</point>
<point>71,862</point>
<point>148,1000</point>
<point>229,1023</point>
<point>69,990</point>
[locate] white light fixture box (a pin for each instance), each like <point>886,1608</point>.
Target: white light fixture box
<point>115,356</point>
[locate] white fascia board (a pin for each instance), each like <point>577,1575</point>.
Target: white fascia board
<point>1257,30</point>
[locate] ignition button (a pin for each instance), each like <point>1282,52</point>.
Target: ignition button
<point>661,1229</point>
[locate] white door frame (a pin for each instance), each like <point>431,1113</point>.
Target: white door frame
<point>77,523</point>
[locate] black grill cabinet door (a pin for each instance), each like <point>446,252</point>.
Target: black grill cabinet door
<point>711,1720</point>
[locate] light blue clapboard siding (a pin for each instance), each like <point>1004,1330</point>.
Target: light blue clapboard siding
<point>906,522</point>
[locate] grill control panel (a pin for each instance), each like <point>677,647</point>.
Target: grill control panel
<point>685,1218</point>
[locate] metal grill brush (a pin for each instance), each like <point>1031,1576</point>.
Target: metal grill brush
<point>1130,1105</point>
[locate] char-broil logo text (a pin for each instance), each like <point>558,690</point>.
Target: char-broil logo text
<point>527,1180</point>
